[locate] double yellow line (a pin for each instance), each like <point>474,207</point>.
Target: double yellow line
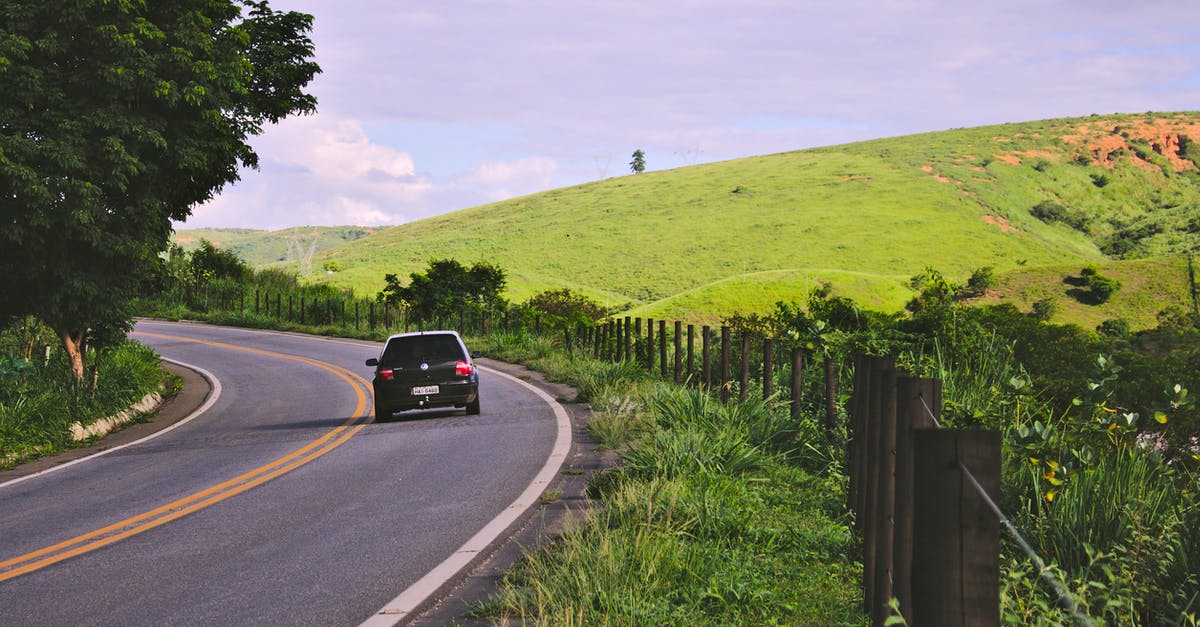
<point>41,558</point>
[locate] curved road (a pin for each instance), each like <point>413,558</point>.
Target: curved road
<point>281,504</point>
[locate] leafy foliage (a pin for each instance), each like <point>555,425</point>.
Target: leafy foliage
<point>446,289</point>
<point>565,306</point>
<point>118,117</point>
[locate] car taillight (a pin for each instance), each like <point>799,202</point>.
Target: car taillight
<point>463,369</point>
<point>386,374</point>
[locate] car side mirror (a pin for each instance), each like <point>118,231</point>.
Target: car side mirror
<point>372,362</point>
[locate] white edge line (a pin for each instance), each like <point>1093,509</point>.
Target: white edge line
<point>408,601</point>
<point>213,395</point>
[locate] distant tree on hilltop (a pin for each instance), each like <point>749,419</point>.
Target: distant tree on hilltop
<point>638,165</point>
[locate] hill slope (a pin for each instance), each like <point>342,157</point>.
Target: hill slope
<point>259,248</point>
<point>708,240</point>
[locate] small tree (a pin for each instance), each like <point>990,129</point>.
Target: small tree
<point>210,262</point>
<point>638,165</point>
<point>446,288</point>
<point>568,307</point>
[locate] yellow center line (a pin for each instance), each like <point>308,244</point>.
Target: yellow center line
<point>134,525</point>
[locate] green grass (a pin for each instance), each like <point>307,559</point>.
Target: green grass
<point>705,241</point>
<point>712,518</point>
<point>1147,287</point>
<point>40,400</point>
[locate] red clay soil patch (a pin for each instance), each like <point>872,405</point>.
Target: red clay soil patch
<point>1002,223</point>
<point>1009,159</point>
<point>1163,135</point>
<point>927,168</point>
<point>186,239</point>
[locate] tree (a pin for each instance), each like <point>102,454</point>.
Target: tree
<point>638,165</point>
<point>568,307</point>
<point>210,262</point>
<point>446,288</point>
<point>117,117</point>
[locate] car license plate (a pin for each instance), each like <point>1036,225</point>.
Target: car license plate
<point>425,390</point>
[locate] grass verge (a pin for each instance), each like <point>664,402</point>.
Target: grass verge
<point>715,516</point>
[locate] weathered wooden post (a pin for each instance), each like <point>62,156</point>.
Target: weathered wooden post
<point>744,387</point>
<point>885,495</point>
<point>691,354</point>
<point>662,348</point>
<point>628,340</point>
<point>705,354</point>
<point>913,395</point>
<point>768,383</point>
<point>648,352</point>
<point>678,351</point>
<point>871,472</point>
<point>956,536</point>
<point>725,364</point>
<point>797,382</point>
<point>857,435</point>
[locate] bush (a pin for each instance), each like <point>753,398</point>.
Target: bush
<point>1050,212</point>
<point>1044,309</point>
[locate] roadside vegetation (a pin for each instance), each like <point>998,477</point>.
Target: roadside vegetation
<point>40,399</point>
<point>718,514</point>
<point>1100,473</point>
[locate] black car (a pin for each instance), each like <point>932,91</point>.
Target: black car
<point>425,369</point>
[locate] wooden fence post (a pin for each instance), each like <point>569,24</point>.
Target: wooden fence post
<point>744,388</point>
<point>691,354</point>
<point>662,348</point>
<point>956,536</point>
<point>912,396</point>
<point>872,459</point>
<point>628,340</point>
<point>678,350</point>
<point>648,354</point>
<point>885,495</point>
<point>768,383</point>
<point>797,382</point>
<point>857,435</point>
<point>705,355</point>
<point>724,364</point>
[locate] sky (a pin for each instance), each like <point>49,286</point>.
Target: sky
<point>427,107</point>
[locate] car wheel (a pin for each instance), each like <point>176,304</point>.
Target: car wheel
<point>473,407</point>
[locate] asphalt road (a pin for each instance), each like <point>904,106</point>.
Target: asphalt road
<point>283,503</point>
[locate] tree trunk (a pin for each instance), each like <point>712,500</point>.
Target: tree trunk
<point>830,394</point>
<point>73,342</point>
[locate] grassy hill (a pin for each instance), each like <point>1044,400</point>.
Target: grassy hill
<point>1035,200</point>
<point>259,248</point>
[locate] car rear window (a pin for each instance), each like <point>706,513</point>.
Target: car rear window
<point>422,348</point>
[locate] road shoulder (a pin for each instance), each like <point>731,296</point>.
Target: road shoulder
<point>538,528</point>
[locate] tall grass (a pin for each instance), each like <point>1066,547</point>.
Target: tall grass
<point>39,399</point>
<point>1118,527</point>
<point>706,521</point>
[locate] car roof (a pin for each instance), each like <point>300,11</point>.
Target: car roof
<point>419,333</point>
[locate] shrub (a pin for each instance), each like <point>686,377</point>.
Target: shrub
<point>1050,212</point>
<point>1044,309</point>
<point>1115,328</point>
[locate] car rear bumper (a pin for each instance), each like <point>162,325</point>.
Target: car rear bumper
<point>399,396</point>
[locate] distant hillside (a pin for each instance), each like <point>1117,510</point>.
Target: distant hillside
<point>704,241</point>
<point>259,248</point>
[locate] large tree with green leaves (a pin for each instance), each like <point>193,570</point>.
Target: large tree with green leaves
<point>116,117</point>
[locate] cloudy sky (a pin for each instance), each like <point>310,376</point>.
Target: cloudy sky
<point>426,107</point>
